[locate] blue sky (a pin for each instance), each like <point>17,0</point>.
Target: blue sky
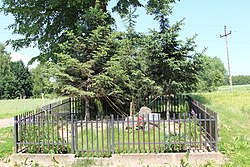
<point>206,18</point>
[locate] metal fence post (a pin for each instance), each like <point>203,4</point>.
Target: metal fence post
<point>113,135</point>
<point>15,134</point>
<point>216,131</point>
<point>72,134</point>
<point>70,101</point>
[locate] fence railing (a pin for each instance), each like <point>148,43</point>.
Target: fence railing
<point>62,128</point>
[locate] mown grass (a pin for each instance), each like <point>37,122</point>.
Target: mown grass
<point>6,142</point>
<point>10,108</point>
<point>234,117</point>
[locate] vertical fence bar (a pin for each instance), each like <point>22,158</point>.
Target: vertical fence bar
<point>190,136</point>
<point>72,134</point>
<point>149,134</point>
<point>205,126</point>
<point>185,135</point>
<point>76,137</point>
<point>67,132</point>
<point>164,134</point>
<point>200,126</point>
<point>20,131</point>
<point>210,131</point>
<point>123,133</point>
<point>97,144</point>
<point>87,135</point>
<point>82,135</point>
<point>139,129</point>
<point>154,132</point>
<point>16,133</point>
<point>133,132</point>
<point>25,126</point>
<point>57,131</point>
<point>53,137</point>
<point>174,130</point>
<point>159,131</point>
<point>92,137</point>
<point>102,137</point>
<point>216,131</point>
<point>43,133</point>
<point>128,128</point>
<point>118,133</point>
<point>143,133</point>
<point>29,129</point>
<point>113,135</point>
<point>169,131</point>
<point>62,132</point>
<point>179,130</point>
<point>195,119</point>
<point>108,136</point>
<point>39,146</point>
<point>47,119</point>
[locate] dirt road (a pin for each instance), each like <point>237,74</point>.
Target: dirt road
<point>6,122</point>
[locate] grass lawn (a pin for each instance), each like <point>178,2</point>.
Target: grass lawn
<point>10,108</point>
<point>234,119</point>
<point>6,142</point>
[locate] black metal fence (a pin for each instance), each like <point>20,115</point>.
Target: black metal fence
<point>178,123</point>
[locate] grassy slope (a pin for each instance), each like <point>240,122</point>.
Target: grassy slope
<point>10,108</point>
<point>234,117</point>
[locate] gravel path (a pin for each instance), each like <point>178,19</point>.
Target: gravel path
<point>6,122</point>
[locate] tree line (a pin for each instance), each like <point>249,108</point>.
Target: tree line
<point>15,78</point>
<point>82,53</point>
<point>241,79</point>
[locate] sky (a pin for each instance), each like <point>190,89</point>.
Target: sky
<point>206,18</point>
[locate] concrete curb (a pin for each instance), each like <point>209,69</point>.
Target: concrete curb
<point>156,160</point>
<point>43,159</point>
<point>133,160</point>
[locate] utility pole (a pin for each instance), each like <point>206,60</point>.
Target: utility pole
<point>228,60</point>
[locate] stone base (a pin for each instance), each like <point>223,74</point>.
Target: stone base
<point>133,160</point>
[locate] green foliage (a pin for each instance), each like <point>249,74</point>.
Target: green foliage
<point>84,163</point>
<point>43,81</point>
<point>175,147</point>
<point>15,80</point>
<point>87,57</point>
<point>23,78</point>
<point>212,75</point>
<point>241,80</point>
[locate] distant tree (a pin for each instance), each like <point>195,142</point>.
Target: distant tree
<point>15,79</point>
<point>241,79</point>
<point>212,75</point>
<point>23,78</point>
<point>41,79</point>
<point>5,70</point>
<point>4,61</point>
